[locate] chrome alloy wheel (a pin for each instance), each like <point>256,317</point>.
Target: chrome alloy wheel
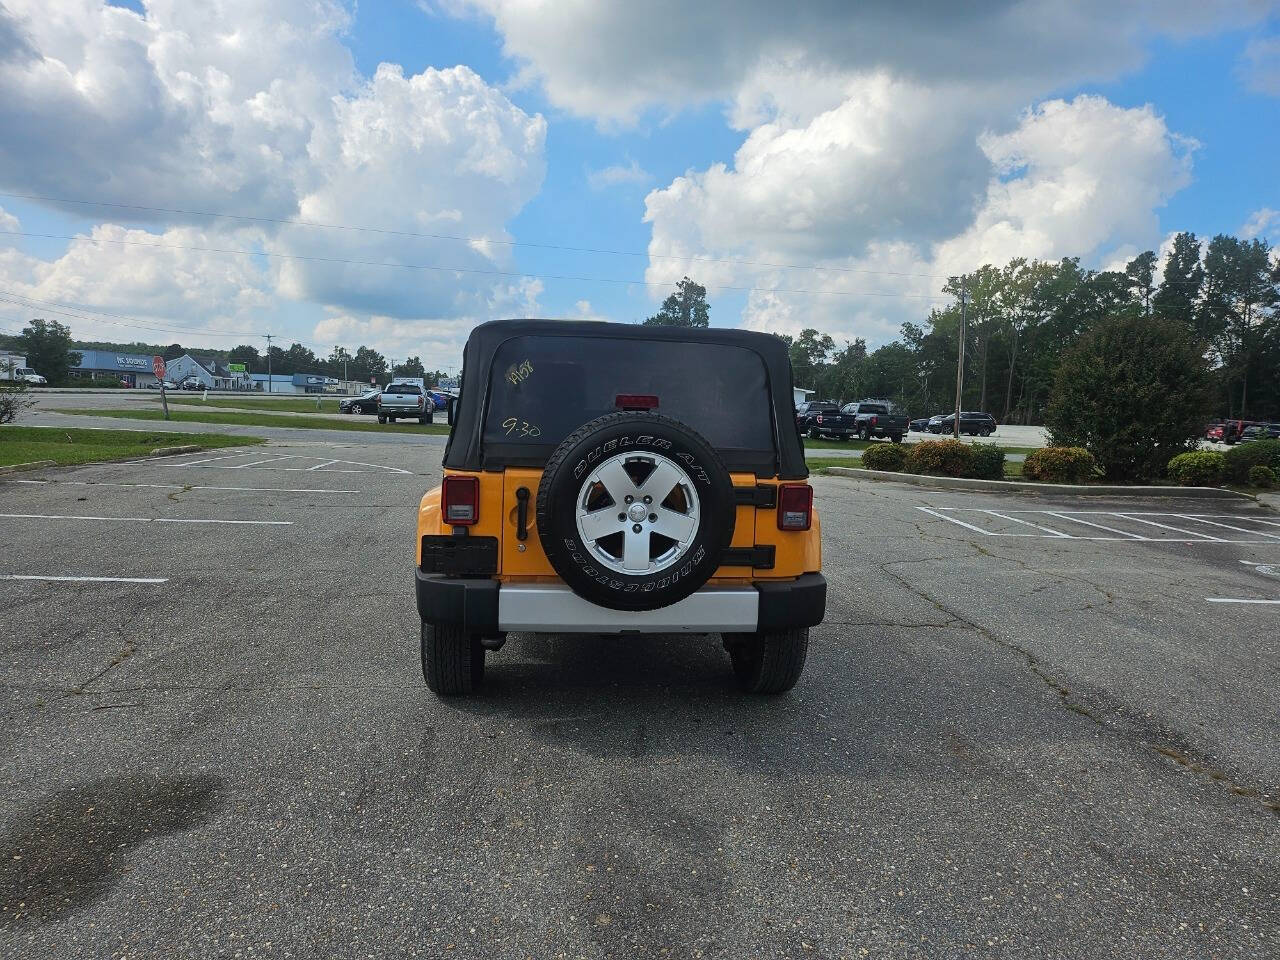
<point>637,513</point>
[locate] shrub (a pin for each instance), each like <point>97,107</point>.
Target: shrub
<point>884,456</point>
<point>949,458</point>
<point>1261,476</point>
<point>1060,465</point>
<point>1199,468</point>
<point>1243,457</point>
<point>1132,391</point>
<point>13,400</point>
<point>988,461</point>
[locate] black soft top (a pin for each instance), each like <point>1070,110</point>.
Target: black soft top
<point>466,449</point>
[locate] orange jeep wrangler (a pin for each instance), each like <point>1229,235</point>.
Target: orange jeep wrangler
<point>607,478</point>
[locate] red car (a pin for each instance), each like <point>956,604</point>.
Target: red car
<point>1214,432</point>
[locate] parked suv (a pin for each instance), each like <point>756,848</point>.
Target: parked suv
<point>608,478</point>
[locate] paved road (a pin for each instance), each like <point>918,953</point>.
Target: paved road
<point>1010,740</point>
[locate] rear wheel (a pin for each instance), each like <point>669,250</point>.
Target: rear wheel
<point>864,434</point>
<point>382,418</point>
<point>813,433</point>
<point>768,662</point>
<point>452,659</point>
<point>896,438</point>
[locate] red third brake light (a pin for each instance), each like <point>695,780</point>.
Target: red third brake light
<point>795,506</point>
<point>636,401</point>
<point>460,501</point>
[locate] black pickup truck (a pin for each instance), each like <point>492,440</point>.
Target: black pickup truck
<point>875,418</point>
<point>818,418</point>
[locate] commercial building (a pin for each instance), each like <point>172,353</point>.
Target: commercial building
<point>131,368</point>
<point>294,383</point>
<point>214,374</point>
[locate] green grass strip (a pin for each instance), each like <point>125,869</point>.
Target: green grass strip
<point>69,445</point>
<point>228,417</point>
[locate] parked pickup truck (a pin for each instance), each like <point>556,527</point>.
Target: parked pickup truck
<point>818,418</point>
<point>874,418</point>
<point>403,400</point>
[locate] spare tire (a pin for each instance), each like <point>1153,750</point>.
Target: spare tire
<point>635,511</point>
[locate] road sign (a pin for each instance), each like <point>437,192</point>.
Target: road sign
<point>157,367</point>
<point>236,367</point>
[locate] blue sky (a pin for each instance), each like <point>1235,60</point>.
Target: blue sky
<point>876,156</point>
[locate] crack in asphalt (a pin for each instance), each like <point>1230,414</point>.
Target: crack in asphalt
<point>1181,753</point>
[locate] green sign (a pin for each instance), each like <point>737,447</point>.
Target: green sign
<point>236,367</point>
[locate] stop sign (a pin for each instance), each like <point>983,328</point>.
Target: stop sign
<point>157,367</point>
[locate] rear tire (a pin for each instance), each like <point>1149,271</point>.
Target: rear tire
<point>864,435</point>
<point>813,433</point>
<point>896,438</point>
<point>768,662</point>
<point>381,418</point>
<point>452,660</point>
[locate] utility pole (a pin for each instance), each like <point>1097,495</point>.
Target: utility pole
<point>964,302</point>
<point>269,339</point>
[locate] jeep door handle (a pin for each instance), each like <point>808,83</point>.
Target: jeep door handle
<point>522,513</point>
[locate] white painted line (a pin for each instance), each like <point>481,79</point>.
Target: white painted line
<point>59,516</point>
<point>325,464</point>
<point>1189,533</point>
<point>942,516</point>
<point>257,463</point>
<point>1056,533</point>
<point>182,486</point>
<point>1227,526</point>
<point>219,466</point>
<point>1089,523</point>
<point>26,576</point>
<point>1238,600</point>
<point>192,463</point>
<point>1270,523</point>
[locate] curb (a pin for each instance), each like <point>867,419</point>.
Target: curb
<point>32,465</point>
<point>175,451</point>
<point>1023,486</point>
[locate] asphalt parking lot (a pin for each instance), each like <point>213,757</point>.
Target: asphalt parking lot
<point>1020,734</point>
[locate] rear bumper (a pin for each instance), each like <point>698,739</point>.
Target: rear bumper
<point>488,607</point>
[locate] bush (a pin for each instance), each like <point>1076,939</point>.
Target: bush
<point>948,458</point>
<point>13,400</point>
<point>1060,465</point>
<point>1243,457</point>
<point>1132,391</point>
<point>988,461</point>
<point>884,456</point>
<point>1260,476</point>
<point>1199,468</point>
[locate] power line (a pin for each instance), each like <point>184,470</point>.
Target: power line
<point>464,239</point>
<point>470,270</point>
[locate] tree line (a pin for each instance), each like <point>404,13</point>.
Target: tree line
<point>51,350</point>
<point>1023,317</point>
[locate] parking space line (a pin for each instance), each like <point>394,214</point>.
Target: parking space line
<point>1056,533</point>
<point>1189,533</point>
<point>178,486</point>
<point>1227,526</point>
<point>258,463</point>
<point>1239,600</point>
<point>325,464</point>
<point>60,516</point>
<point>1089,523</point>
<point>969,526</point>
<point>28,576</point>
<point>192,463</point>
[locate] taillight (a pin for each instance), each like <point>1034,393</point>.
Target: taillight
<point>636,402</point>
<point>795,506</point>
<point>422,401</point>
<point>460,501</point>
<point>874,419</point>
<point>819,418</point>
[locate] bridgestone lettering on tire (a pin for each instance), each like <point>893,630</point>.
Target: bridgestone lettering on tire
<point>634,511</point>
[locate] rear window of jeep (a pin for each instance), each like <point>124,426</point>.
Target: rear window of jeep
<point>544,388</point>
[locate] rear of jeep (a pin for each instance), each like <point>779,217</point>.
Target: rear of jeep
<point>609,479</point>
